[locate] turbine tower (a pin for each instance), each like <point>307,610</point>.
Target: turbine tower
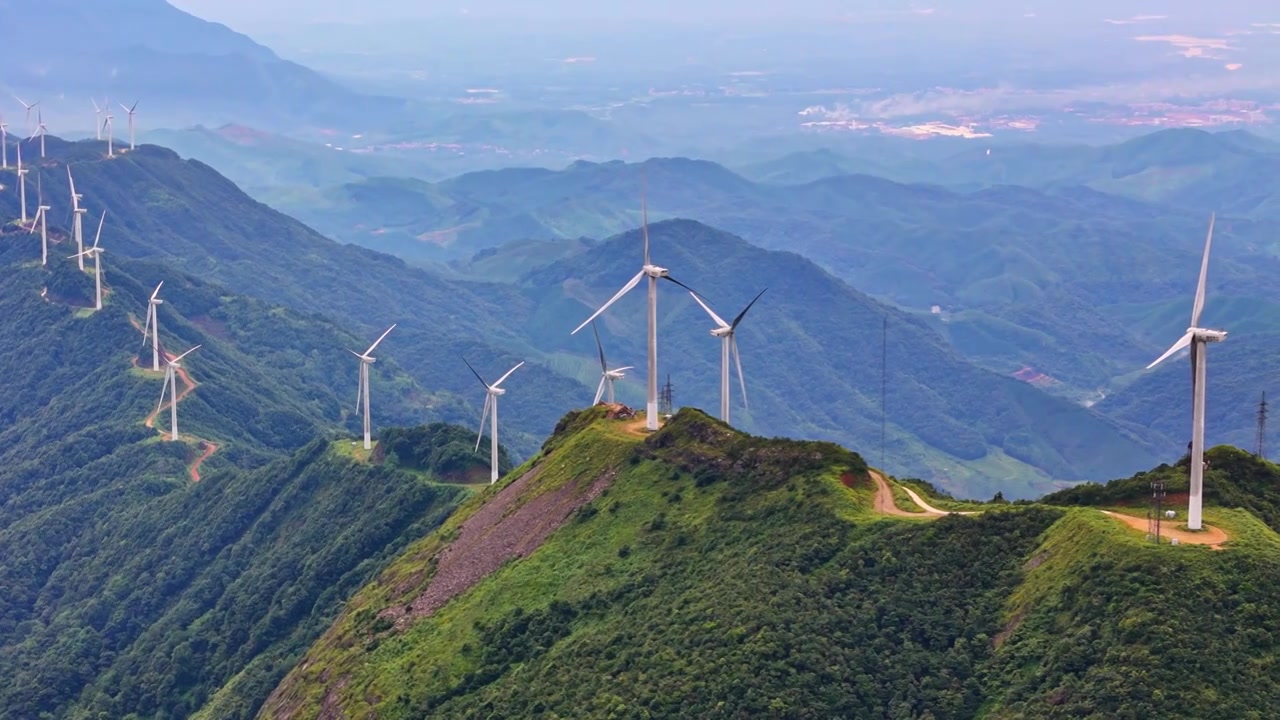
<point>1197,338</point>
<point>41,131</point>
<point>171,389</point>
<point>491,411</point>
<point>77,217</point>
<point>41,219</point>
<point>131,111</point>
<point>22,185</point>
<point>153,327</point>
<point>362,393</point>
<point>607,376</point>
<point>654,273</point>
<point>95,252</point>
<point>97,119</point>
<point>728,345</point>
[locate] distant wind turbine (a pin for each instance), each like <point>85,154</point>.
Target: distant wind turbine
<point>41,219</point>
<point>97,119</point>
<point>29,107</point>
<point>22,186</point>
<point>171,389</point>
<point>654,273</point>
<point>77,218</point>
<point>607,376</point>
<point>362,394</point>
<point>491,410</point>
<point>4,144</point>
<point>95,252</point>
<point>107,127</point>
<point>41,131</point>
<point>131,111</point>
<point>728,344</point>
<point>1197,338</point>
<point>153,327</point>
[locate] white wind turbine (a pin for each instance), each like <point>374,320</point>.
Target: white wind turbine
<point>1197,338</point>
<point>491,410</point>
<point>362,393</point>
<point>653,272</point>
<point>607,376</point>
<point>171,389</point>
<point>131,111</point>
<point>153,327</point>
<point>22,185</point>
<point>77,217</point>
<point>106,126</point>
<point>97,119</point>
<point>29,107</point>
<point>95,252</point>
<point>41,219</point>
<point>41,131</point>
<point>728,344</point>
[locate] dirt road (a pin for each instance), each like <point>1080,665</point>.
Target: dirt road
<point>1211,536</point>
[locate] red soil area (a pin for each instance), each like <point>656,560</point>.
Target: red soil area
<point>499,531</point>
<point>209,449</point>
<point>1211,536</point>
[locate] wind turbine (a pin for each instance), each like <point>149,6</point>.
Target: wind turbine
<point>29,107</point>
<point>42,219</point>
<point>77,215</point>
<point>153,327</point>
<point>131,111</point>
<point>171,389</point>
<point>22,185</point>
<point>607,376</point>
<point>362,394</point>
<point>491,410</point>
<point>106,125</point>
<point>728,344</point>
<point>95,252</point>
<point>653,272</point>
<point>1198,338</point>
<point>41,131</point>
<point>97,119</point>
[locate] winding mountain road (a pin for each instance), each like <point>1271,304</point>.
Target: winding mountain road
<point>188,385</point>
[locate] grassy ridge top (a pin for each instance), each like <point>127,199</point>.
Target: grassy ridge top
<point>722,575</point>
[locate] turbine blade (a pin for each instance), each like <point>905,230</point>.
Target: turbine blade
<point>603,366</point>
<point>1198,307</point>
<point>72,181</point>
<point>164,389</point>
<point>1183,342</point>
<point>179,358</point>
<point>157,290</point>
<point>484,415</point>
<point>710,312</point>
<point>380,339</point>
<point>359,387</point>
<point>625,289</point>
<point>600,390</point>
<point>737,359</point>
<point>644,217</point>
<point>745,309</point>
<point>629,367</point>
<point>504,377</point>
<point>686,287</point>
<point>473,372</point>
<point>147,328</point>
<point>1196,349</point>
<point>99,235</point>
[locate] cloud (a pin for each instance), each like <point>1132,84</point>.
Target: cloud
<point>1190,46</point>
<point>1137,19</point>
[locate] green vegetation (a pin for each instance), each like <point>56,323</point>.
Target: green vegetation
<point>446,452</point>
<point>722,575</point>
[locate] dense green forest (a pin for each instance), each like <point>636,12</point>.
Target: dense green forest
<point>129,589</point>
<point>723,575</point>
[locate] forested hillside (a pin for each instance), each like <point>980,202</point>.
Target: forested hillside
<point>712,574</point>
<point>141,576</point>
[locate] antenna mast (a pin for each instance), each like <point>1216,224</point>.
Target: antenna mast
<point>1259,449</point>
<point>666,405</point>
<point>1156,512</point>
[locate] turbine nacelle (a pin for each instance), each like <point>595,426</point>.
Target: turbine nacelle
<point>497,391</point>
<point>1204,335</point>
<point>654,271</point>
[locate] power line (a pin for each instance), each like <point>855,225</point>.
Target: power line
<point>1260,445</point>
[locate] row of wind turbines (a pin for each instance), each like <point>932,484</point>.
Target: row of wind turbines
<point>103,124</point>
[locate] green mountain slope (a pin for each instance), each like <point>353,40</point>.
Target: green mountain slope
<point>141,575</point>
<point>711,574</point>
